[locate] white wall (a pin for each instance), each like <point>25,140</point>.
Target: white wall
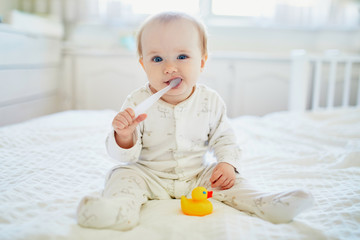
<point>258,78</point>
<point>282,41</point>
<point>250,67</point>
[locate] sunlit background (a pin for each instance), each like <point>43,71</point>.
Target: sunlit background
<point>116,17</point>
<point>90,44</point>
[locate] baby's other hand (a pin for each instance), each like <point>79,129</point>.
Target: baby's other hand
<point>223,176</point>
<point>124,125</point>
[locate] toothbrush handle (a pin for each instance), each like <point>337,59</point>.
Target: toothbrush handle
<point>147,103</point>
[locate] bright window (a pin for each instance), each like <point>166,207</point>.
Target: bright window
<point>339,14</point>
<point>253,8</point>
<point>155,6</point>
<point>291,13</point>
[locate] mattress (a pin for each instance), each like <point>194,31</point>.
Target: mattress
<point>49,163</point>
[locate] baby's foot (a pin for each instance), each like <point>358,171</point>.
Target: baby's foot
<point>283,207</point>
<point>112,213</point>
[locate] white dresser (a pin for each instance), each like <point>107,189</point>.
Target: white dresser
<point>29,75</point>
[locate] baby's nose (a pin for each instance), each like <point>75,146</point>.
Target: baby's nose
<point>170,68</point>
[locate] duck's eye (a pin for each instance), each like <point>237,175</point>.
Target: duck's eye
<point>204,192</point>
<point>157,59</point>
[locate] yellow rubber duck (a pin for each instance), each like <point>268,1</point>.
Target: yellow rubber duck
<point>198,205</point>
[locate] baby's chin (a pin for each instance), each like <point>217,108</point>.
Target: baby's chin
<point>181,94</point>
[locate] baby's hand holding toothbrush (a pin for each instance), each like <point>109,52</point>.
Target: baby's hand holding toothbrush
<point>125,122</point>
<point>124,125</point>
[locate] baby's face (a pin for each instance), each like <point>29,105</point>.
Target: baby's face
<point>172,50</point>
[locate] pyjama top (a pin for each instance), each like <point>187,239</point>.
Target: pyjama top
<point>173,140</point>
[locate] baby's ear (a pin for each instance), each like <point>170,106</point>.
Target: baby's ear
<point>203,61</point>
<point>141,62</point>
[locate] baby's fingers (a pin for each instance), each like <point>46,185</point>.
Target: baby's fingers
<point>228,185</point>
<point>215,175</point>
<point>130,113</point>
<point>120,122</point>
<point>136,122</point>
<point>123,119</point>
<point>141,117</point>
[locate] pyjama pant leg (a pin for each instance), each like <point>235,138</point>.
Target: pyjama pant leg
<point>119,207</point>
<point>276,207</point>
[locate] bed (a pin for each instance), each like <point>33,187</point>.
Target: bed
<point>49,163</point>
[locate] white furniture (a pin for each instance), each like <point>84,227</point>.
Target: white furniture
<point>29,74</point>
<point>327,81</point>
<point>100,79</point>
<point>249,84</point>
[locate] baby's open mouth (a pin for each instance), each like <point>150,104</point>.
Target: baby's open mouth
<point>168,82</point>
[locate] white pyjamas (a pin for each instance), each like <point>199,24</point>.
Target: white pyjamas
<point>167,161</point>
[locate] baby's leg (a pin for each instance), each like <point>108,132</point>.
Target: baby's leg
<point>277,207</point>
<point>119,207</point>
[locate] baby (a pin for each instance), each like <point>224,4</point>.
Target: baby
<point>164,149</point>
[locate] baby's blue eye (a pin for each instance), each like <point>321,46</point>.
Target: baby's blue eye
<point>182,57</point>
<point>204,192</point>
<point>157,59</point>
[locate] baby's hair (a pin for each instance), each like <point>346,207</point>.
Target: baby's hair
<point>166,17</point>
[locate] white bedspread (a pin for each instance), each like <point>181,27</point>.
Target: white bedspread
<point>49,163</point>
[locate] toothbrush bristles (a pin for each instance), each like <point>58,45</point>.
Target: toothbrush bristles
<point>175,82</point>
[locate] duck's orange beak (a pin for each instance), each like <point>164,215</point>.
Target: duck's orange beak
<point>209,194</point>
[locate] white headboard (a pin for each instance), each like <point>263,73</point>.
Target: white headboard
<point>324,82</point>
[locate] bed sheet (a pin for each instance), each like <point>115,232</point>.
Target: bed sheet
<point>48,164</point>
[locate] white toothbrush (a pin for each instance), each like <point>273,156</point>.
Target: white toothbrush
<point>147,103</point>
